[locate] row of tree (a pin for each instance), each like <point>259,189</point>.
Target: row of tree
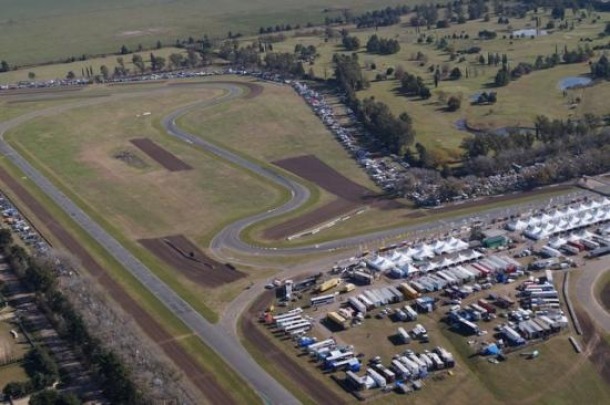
<point>41,277</point>
<point>413,85</point>
<point>391,133</point>
<point>382,46</point>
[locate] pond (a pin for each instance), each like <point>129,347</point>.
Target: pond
<point>462,125</point>
<point>573,81</point>
<point>529,32</point>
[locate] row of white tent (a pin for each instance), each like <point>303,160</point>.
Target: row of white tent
<point>395,263</point>
<point>545,230</point>
<point>557,241</point>
<point>592,210</point>
<point>404,257</point>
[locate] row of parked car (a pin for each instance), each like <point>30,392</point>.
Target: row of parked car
<point>21,227</point>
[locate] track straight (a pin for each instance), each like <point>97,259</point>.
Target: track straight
<point>228,347</point>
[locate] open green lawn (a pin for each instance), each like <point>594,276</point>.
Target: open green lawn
<point>36,31</point>
<point>146,201</point>
<point>518,103</point>
<point>60,70</point>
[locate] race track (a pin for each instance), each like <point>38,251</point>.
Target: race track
<point>222,337</point>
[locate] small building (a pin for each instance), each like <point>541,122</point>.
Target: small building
<point>494,238</point>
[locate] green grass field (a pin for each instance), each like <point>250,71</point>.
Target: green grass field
<point>35,31</point>
<point>207,358</point>
<point>518,103</point>
<point>60,70</point>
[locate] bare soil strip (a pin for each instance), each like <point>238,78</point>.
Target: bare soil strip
<point>313,169</point>
<point>160,155</point>
<point>330,211</point>
<point>350,195</point>
<point>186,258</point>
<point>203,380</point>
<point>288,365</point>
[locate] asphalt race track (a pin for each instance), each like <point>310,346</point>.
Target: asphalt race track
<point>222,337</point>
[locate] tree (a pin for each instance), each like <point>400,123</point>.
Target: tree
<point>53,397</point>
<point>31,75</point>
<point>70,75</point>
<point>105,72</point>
<point>502,78</point>
<point>138,62</point>
<point>481,59</point>
<point>176,60</point>
<point>607,30</point>
<point>159,45</point>
<point>6,239</point>
<point>454,103</point>
<point>4,67</point>
<point>124,50</point>
<point>17,389</point>
<point>456,74</point>
<point>351,43</point>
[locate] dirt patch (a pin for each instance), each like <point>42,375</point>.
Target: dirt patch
<point>203,380</point>
<point>313,169</point>
<point>596,346</point>
<point>289,366</point>
<point>130,159</point>
<point>186,258</point>
<point>350,195</point>
<point>160,155</point>
<point>327,212</point>
<point>254,90</point>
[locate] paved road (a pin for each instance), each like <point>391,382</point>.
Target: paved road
<point>592,270</point>
<point>222,338</point>
<point>227,346</point>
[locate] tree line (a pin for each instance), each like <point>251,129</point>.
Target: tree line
<point>382,46</point>
<point>390,132</point>
<point>41,277</point>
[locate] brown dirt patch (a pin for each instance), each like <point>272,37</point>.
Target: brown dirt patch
<point>596,346</point>
<point>351,195</point>
<point>313,169</point>
<point>186,258</point>
<point>330,211</point>
<point>160,155</point>
<point>289,366</point>
<point>205,381</point>
<point>130,159</point>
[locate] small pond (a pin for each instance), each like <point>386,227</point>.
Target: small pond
<point>573,81</point>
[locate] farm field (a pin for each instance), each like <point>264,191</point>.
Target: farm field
<point>518,103</point>
<point>36,31</point>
